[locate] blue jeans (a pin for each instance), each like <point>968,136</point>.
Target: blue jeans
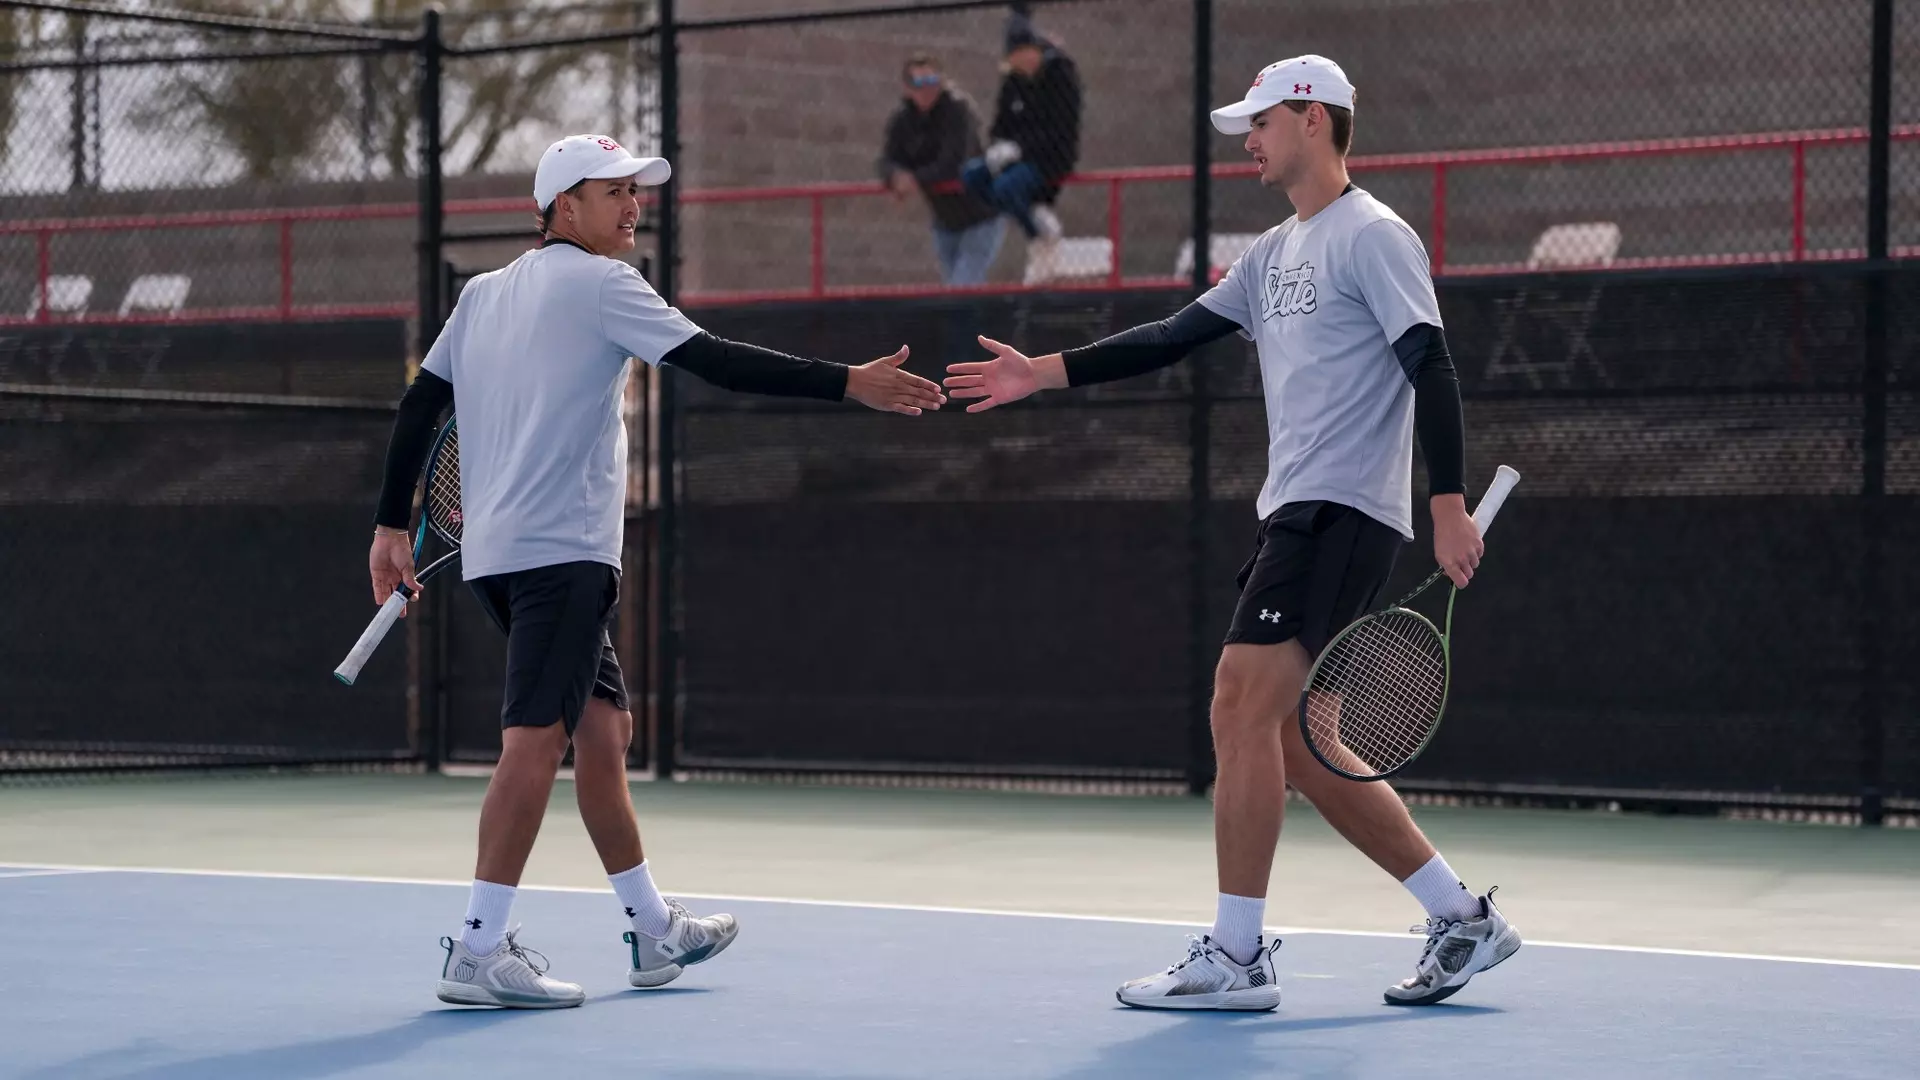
<point>1012,192</point>
<point>965,254</point>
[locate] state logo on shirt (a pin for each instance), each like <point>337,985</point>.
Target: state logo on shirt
<point>1288,292</point>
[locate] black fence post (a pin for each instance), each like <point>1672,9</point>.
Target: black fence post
<point>82,76</point>
<point>666,710</point>
<point>1873,433</point>
<point>1200,764</point>
<point>431,315</point>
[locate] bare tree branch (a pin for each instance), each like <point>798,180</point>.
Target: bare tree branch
<point>280,116</point>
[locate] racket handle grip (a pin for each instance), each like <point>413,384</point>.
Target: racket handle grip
<point>362,650</point>
<point>1503,480</point>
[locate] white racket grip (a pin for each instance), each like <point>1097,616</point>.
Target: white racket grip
<point>389,614</point>
<point>1497,492</point>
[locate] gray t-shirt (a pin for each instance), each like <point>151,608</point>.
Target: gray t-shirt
<point>1324,300</point>
<point>537,354</point>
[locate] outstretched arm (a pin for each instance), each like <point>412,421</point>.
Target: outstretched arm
<point>750,369</point>
<point>1012,375</point>
<point>738,366</point>
<point>635,319</point>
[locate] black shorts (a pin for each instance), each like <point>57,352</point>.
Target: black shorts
<point>1316,567</point>
<point>558,649</point>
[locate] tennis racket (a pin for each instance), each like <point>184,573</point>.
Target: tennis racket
<point>1374,698</point>
<point>440,515</point>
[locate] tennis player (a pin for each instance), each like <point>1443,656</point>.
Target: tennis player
<point>1340,304</point>
<point>534,359</point>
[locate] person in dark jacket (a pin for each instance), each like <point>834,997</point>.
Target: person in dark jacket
<point>1034,143</point>
<point>929,136</point>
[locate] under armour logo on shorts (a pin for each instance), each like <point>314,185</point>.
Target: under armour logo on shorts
<point>1269,616</point>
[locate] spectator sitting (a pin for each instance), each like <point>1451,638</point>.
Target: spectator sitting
<point>933,131</point>
<point>1035,142</point>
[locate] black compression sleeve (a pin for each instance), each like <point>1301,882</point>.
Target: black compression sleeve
<point>735,365</point>
<point>1146,348</point>
<point>1436,407</point>
<point>420,409</point>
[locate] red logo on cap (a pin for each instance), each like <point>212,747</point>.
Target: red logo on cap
<point>1260,78</point>
<point>607,144</point>
<point>1303,88</point>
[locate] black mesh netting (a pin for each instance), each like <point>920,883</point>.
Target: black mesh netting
<point>1674,598</point>
<point>181,577</point>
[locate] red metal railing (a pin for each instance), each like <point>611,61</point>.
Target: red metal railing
<point>1440,163</point>
<point>45,229</point>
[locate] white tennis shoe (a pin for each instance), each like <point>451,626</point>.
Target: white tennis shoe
<point>689,940</point>
<point>511,977</point>
<point>1457,950</point>
<point>1209,979</point>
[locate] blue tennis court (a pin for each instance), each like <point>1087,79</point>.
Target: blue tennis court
<point>955,474</point>
<point>163,974</point>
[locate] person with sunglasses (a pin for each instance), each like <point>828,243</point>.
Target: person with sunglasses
<point>929,136</point>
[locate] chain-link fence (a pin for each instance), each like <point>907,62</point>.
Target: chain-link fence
<point>1678,611</point>
<point>248,168</point>
<point>963,148</point>
<point>502,100</point>
<point>178,564</point>
<point>1527,135</point>
<point>1669,415</point>
<point>181,186</point>
<point>211,237</point>
<point>185,168</point>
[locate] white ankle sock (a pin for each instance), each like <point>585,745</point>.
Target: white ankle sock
<point>488,908</point>
<point>1441,891</point>
<point>642,901</point>
<point>1236,926</point>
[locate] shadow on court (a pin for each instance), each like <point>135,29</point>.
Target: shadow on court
<point>335,1056</point>
<point>175,976</point>
<point>1230,1044</point>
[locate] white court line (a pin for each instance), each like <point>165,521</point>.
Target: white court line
<point>46,872</point>
<point>932,909</point>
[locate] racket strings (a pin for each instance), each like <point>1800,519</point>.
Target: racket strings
<point>443,488</point>
<point>1384,709</point>
<point>1383,695</point>
<point>1378,692</point>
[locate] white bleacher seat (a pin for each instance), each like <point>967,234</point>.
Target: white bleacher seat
<point>1077,257</point>
<point>1589,243</point>
<point>1222,251</point>
<point>67,294</point>
<point>162,293</point>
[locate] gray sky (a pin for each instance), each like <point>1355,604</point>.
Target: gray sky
<point>133,156</point>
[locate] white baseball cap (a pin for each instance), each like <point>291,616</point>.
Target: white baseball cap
<point>1303,78</point>
<point>591,157</point>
